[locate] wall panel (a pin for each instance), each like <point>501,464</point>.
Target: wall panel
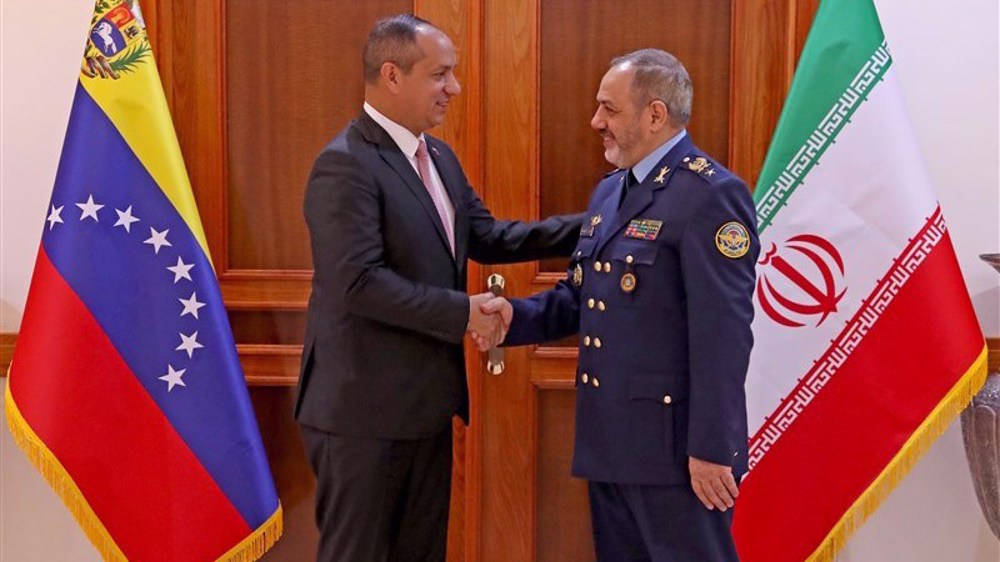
<point>293,79</point>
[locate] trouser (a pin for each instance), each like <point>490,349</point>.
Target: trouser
<point>657,524</point>
<point>381,500</point>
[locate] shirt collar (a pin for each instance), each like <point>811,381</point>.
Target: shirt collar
<point>404,139</point>
<point>646,165</point>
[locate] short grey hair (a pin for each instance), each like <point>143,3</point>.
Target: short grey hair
<point>393,39</point>
<point>659,76</point>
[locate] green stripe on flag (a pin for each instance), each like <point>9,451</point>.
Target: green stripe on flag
<point>843,59</point>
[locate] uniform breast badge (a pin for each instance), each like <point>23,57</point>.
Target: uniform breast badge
<point>578,275</point>
<point>628,282</point>
<point>588,230</point>
<point>643,229</point>
<point>733,240</point>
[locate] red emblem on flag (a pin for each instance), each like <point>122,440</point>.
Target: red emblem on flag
<point>801,279</point>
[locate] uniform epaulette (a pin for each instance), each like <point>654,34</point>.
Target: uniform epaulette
<point>703,167</point>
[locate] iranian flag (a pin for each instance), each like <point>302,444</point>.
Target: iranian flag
<point>866,345</point>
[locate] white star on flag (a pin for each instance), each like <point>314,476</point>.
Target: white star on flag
<point>89,208</point>
<point>157,239</point>
<point>126,219</point>
<point>181,270</point>
<point>173,378</point>
<point>191,305</point>
<point>54,216</point>
<point>189,344</point>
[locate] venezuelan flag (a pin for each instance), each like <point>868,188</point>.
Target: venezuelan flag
<point>125,389</point>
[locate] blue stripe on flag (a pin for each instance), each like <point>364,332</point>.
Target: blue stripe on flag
<point>133,296</point>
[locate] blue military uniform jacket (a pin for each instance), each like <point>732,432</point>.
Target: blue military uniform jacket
<point>660,293</point>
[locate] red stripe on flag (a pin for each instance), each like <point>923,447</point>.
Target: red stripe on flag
<point>843,440</point>
<point>82,400</point>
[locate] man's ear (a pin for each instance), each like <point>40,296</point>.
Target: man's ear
<point>659,115</point>
<point>390,76</point>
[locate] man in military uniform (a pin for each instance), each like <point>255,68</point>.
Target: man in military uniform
<point>659,290</point>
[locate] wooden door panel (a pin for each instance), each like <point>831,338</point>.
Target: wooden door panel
<point>293,79</point>
<point>562,528</point>
<point>578,40</point>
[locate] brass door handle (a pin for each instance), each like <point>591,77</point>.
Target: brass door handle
<point>494,363</point>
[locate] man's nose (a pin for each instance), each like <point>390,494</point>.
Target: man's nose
<point>597,121</point>
<point>453,88</point>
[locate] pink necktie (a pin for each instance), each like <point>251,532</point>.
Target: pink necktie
<point>424,165</point>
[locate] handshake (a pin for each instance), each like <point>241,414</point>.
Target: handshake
<point>489,320</point>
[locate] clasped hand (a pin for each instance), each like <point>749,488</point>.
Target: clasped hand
<point>489,320</point>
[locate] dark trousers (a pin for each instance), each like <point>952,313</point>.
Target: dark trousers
<point>381,500</point>
<point>657,524</point>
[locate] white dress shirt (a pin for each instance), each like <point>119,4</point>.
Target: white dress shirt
<point>408,143</point>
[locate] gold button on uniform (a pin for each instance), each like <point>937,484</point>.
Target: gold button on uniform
<point>586,341</point>
<point>607,267</point>
<point>597,383</point>
<point>600,306</point>
<point>597,266</point>
<point>590,303</point>
<point>585,378</point>
<point>629,259</point>
<point>666,399</point>
<point>597,342</point>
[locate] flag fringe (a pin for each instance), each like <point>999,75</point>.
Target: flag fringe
<point>56,475</point>
<point>933,427</point>
<point>254,546</point>
<point>249,549</point>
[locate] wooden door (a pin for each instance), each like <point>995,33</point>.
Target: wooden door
<point>256,87</point>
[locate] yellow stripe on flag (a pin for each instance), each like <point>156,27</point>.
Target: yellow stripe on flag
<point>136,105</point>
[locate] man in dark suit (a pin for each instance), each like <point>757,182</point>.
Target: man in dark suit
<point>392,221</point>
<point>659,290</point>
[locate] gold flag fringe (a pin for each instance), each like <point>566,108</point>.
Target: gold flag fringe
<point>53,471</point>
<point>933,427</point>
<point>254,546</point>
<point>248,550</point>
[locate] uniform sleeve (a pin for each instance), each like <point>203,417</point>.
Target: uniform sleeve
<point>718,275</point>
<point>546,316</point>
<point>554,314</point>
<point>342,212</point>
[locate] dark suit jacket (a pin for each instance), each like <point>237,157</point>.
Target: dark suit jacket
<point>383,354</point>
<point>663,353</point>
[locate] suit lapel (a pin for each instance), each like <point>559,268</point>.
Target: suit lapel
<point>453,185</point>
<point>641,196</point>
<point>395,158</point>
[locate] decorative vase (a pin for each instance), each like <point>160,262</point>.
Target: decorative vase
<point>981,434</point>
